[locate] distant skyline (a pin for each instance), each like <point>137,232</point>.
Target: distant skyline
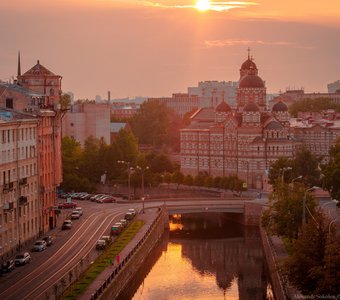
<point>156,48</point>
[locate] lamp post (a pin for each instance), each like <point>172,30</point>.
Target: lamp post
<point>304,207</point>
<point>129,170</point>
<point>330,224</point>
<point>283,173</point>
<point>142,170</point>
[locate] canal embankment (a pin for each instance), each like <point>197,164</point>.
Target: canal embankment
<point>111,282</point>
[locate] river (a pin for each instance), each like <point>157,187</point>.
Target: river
<point>203,256</point>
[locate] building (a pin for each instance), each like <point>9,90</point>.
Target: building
<point>212,93</point>
<point>87,119</point>
<point>333,87</point>
<point>181,103</point>
<point>34,96</point>
<point>291,96</point>
<point>19,196</point>
<point>243,141</point>
<point>318,131</point>
<point>124,111</point>
<point>116,127</point>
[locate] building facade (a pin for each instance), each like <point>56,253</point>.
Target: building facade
<point>36,96</point>
<point>88,119</point>
<point>243,141</point>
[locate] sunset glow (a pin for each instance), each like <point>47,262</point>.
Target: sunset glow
<point>203,5</point>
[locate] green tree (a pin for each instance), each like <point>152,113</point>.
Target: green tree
<point>312,105</point>
<point>188,180</point>
<point>178,178</point>
<point>65,101</point>
<point>307,266</point>
<point>157,125</point>
<point>159,163</point>
<point>331,172</point>
<point>284,217</point>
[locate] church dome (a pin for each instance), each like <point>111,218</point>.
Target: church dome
<point>251,81</point>
<point>280,106</point>
<point>248,64</point>
<point>223,107</point>
<point>251,107</point>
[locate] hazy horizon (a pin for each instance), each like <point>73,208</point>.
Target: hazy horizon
<point>149,48</point>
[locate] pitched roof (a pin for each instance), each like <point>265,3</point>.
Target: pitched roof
<point>38,70</point>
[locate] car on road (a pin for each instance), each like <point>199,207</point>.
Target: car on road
<point>22,259</point>
<point>67,205</point>
<point>116,229</point>
<point>107,199</point>
<point>67,224</point>
<point>7,266</point>
<point>132,210</point>
<point>80,210</point>
<point>75,215</point>
<point>48,240</point>
<point>39,246</point>
<point>101,245</point>
<point>129,216</point>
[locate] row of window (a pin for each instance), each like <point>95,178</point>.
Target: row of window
<point>20,134</point>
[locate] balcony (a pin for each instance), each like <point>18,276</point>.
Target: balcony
<point>23,181</point>
<point>7,187</point>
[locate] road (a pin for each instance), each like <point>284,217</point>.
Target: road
<point>34,280</point>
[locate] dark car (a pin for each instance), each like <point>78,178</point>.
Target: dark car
<point>48,240</point>
<point>22,259</point>
<point>67,205</point>
<point>7,266</point>
<point>66,225</point>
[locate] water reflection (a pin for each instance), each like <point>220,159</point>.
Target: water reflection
<point>207,257</point>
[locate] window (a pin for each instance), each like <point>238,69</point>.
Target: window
<point>9,103</point>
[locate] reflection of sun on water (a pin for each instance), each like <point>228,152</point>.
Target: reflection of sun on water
<point>203,5</point>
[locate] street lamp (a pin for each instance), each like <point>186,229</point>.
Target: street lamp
<point>142,170</point>
<point>299,177</point>
<point>129,170</point>
<point>283,173</point>
<point>330,223</point>
<point>304,206</point>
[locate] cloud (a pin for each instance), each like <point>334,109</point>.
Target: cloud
<point>214,6</point>
<point>235,42</point>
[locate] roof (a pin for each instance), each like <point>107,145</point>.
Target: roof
<point>248,64</point>
<point>20,89</point>
<point>38,70</point>
<point>279,106</point>
<point>274,125</point>
<point>251,81</point>
<point>223,107</point>
<point>205,114</point>
<point>116,126</point>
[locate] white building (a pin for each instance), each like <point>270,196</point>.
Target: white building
<point>19,198</point>
<point>333,87</point>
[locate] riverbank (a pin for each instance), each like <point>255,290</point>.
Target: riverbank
<point>111,282</point>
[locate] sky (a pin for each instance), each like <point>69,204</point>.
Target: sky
<point>158,47</point>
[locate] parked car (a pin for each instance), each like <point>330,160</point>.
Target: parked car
<point>80,210</point>
<point>124,222</point>
<point>48,240</point>
<point>39,246</point>
<point>7,266</point>
<point>67,224</point>
<point>75,215</point>
<point>107,238</point>
<point>132,210</point>
<point>116,229</point>
<point>22,259</point>
<point>67,205</point>
<point>101,244</point>
<point>129,216</point>
<point>97,196</point>
<point>107,199</point>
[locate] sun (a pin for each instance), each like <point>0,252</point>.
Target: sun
<point>203,5</point>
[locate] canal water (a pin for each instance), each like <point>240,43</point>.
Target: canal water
<point>203,256</point>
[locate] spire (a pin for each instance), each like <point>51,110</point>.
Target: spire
<point>248,52</point>
<point>19,65</point>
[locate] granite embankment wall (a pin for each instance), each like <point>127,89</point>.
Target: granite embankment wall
<point>117,281</point>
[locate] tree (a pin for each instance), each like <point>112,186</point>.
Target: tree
<point>312,105</point>
<point>331,172</point>
<point>157,125</point>
<point>65,101</point>
<point>159,163</point>
<point>178,177</point>
<point>308,267</point>
<point>284,217</point>
<point>188,180</point>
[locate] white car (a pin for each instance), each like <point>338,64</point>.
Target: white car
<point>80,210</point>
<point>22,259</point>
<point>39,246</point>
<point>75,215</point>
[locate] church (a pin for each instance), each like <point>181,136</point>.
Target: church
<point>243,141</point>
